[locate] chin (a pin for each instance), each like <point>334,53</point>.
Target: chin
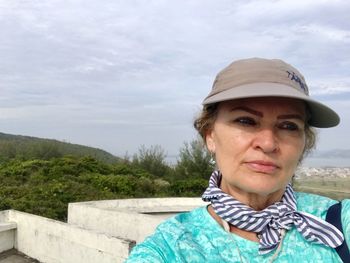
<point>264,189</point>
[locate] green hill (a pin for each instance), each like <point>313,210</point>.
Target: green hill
<point>26,148</point>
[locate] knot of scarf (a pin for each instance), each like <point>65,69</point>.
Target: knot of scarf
<point>269,222</point>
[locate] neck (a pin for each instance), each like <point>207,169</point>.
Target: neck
<point>239,232</point>
<point>257,201</point>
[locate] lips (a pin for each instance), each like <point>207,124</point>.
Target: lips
<point>262,166</point>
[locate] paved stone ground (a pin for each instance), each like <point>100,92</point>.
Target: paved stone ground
<point>13,256</point>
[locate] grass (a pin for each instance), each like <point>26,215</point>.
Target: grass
<point>335,188</point>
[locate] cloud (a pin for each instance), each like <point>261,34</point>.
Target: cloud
<point>327,32</point>
<point>137,69</point>
<point>324,86</point>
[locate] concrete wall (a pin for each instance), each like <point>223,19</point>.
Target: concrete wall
<point>132,219</point>
<point>52,241</point>
<point>100,231</point>
<point>7,232</point>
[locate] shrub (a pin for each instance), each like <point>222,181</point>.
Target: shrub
<point>194,162</point>
<point>152,160</point>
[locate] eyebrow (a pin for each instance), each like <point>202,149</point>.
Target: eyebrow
<point>260,114</point>
<point>243,108</point>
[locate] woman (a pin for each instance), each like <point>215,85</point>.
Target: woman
<point>257,122</point>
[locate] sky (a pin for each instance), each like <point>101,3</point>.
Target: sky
<point>118,74</point>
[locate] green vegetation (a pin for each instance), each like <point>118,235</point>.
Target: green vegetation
<point>195,161</point>
<point>45,187</point>
<point>336,188</point>
<point>28,148</point>
<point>42,176</point>
<point>37,176</point>
<point>152,160</point>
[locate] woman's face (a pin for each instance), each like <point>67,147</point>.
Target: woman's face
<point>257,143</point>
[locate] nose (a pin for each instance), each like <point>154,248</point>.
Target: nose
<point>266,140</point>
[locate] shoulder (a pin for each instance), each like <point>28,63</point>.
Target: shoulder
<point>183,222</point>
<point>160,247</point>
<point>346,206</point>
<point>316,205</point>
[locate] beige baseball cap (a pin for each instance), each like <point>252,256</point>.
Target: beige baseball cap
<point>258,77</point>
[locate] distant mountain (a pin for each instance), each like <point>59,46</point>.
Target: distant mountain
<point>27,147</point>
<point>335,153</point>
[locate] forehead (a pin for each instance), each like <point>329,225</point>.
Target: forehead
<point>276,104</point>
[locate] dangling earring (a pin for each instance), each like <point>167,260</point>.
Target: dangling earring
<point>212,160</point>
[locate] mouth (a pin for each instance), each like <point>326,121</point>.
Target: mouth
<point>262,166</point>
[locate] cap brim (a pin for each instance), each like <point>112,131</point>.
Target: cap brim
<point>321,115</point>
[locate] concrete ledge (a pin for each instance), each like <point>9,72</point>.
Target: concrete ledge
<point>7,226</point>
<point>133,219</point>
<point>99,231</point>
<point>52,241</point>
<point>7,235</point>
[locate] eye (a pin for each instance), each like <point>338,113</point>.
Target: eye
<point>245,121</point>
<point>288,125</point>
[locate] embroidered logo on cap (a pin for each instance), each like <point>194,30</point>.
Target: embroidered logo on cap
<point>293,76</point>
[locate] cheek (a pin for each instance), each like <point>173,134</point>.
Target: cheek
<point>294,152</point>
<point>225,139</point>
<point>231,145</point>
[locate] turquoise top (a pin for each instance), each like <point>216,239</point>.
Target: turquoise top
<point>196,237</point>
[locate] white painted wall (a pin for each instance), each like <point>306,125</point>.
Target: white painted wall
<point>7,232</point>
<point>51,241</point>
<point>99,231</point>
<point>133,219</point>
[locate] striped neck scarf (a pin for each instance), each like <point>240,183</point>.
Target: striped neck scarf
<point>268,223</point>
